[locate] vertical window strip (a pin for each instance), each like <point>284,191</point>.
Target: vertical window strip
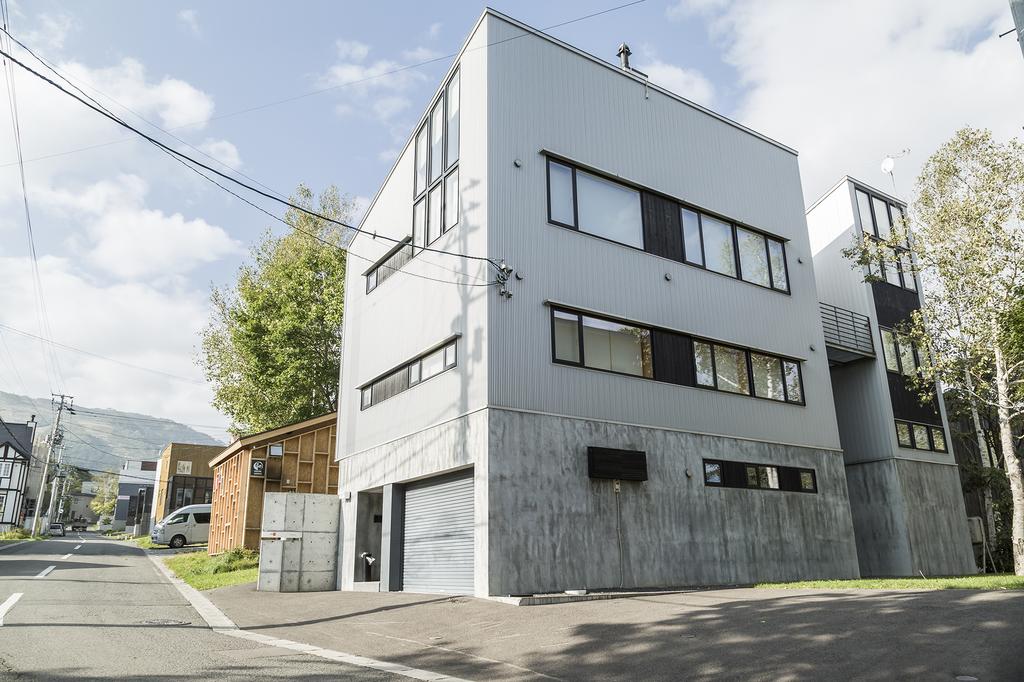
<point>437,203</point>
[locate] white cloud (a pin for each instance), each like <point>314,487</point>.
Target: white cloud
<point>49,33</point>
<point>688,83</point>
<point>175,102</point>
<point>129,321</point>
<point>846,83</point>
<point>223,151</point>
<point>127,240</point>
<point>434,30</point>
<point>352,49</point>
<point>190,18</point>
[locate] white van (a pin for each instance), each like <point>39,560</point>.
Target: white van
<point>183,526</point>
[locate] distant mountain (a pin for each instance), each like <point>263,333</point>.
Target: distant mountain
<point>98,438</point>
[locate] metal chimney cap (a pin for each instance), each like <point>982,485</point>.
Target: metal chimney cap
<point>623,55</point>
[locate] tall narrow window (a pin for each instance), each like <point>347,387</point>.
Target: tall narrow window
<point>434,214</point>
<point>691,237</point>
<point>608,209</point>
<point>892,362</point>
<point>921,437</point>
<point>767,371</point>
<point>561,198</point>
<point>436,140</point>
<point>451,200</point>
<point>704,364</point>
<point>864,209</point>
<point>907,357</point>
<point>938,439</point>
<point>452,104</point>
<point>566,330</point>
<point>794,385</point>
<point>892,273</point>
<point>753,257</point>
<point>882,218</point>
<point>421,160</point>
<point>777,259</point>
<point>719,253</point>
<point>907,267</point>
<point>419,222</point>
<point>903,435</point>
<point>731,370</point>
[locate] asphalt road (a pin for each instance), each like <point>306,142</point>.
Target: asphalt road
<point>104,611</point>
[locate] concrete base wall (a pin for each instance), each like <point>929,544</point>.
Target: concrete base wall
<point>909,518</point>
<point>552,528</point>
<point>304,557</point>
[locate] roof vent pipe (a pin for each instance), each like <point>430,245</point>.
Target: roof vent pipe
<point>623,54</point>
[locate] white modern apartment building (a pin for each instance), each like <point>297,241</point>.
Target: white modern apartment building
<point>905,494</point>
<point>646,401</point>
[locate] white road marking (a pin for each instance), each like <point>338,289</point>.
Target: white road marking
<point>8,605</point>
<point>46,572</point>
<point>66,556</point>
<point>78,547</point>
<point>219,622</point>
<point>13,544</point>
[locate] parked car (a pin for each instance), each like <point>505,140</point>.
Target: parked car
<point>183,527</point>
<point>57,529</point>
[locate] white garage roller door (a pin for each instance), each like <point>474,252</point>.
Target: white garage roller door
<point>437,544</point>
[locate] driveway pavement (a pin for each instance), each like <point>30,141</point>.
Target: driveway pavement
<point>731,634</point>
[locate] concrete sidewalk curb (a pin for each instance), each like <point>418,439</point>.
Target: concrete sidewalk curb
<point>223,625</point>
<point>14,544</point>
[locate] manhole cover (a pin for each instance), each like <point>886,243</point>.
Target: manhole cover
<point>165,621</point>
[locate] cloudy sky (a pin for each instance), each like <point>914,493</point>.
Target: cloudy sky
<point>129,242</point>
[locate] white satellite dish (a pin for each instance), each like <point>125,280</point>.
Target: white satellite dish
<point>888,163</point>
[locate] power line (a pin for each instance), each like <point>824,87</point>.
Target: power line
<point>100,357</point>
<point>357,81</point>
<point>287,203</point>
<point>85,412</point>
<point>50,361</point>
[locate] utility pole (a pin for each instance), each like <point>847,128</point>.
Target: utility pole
<point>55,438</point>
<point>58,482</point>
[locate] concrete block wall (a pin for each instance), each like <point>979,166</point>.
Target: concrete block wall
<point>304,559</point>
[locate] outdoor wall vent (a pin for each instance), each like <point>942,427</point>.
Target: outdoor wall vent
<point>621,465</point>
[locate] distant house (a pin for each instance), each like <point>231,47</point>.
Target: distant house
<point>136,476</point>
<point>15,458</point>
<point>183,477</point>
<point>293,458</point>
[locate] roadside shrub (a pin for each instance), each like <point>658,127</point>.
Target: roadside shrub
<point>234,560</point>
<point>15,534</point>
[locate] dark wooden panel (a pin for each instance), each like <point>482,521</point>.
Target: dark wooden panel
<point>663,234</point>
<point>893,304</point>
<point>906,404</point>
<point>624,465</point>
<point>673,358</point>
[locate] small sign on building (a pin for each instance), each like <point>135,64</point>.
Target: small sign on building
<point>257,467</point>
<point>184,468</point>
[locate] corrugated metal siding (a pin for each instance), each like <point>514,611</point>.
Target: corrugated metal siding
<point>552,99</point>
<point>437,553</point>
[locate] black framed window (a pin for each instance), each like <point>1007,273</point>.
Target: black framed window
<point>621,347</point>
<point>610,209</point>
<point>916,436</point>
<point>720,473</point>
<point>436,190</point>
<point>901,356</point>
<point>412,373</point>
<point>877,218</point>
<point>391,263</point>
<point>600,343</point>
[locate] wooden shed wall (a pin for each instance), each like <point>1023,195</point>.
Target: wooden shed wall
<point>307,466</point>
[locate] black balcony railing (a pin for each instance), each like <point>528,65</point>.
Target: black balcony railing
<point>846,329</point>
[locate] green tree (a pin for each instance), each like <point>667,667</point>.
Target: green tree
<point>967,234</point>
<point>106,495</point>
<point>272,347</point>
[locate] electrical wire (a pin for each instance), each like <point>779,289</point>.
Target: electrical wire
<point>82,412</point>
<point>337,86</point>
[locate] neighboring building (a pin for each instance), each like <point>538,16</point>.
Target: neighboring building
<point>908,509</point>
<point>651,406</point>
<point>15,459</point>
<point>77,506</point>
<point>183,477</point>
<point>136,475</point>
<point>294,458</point>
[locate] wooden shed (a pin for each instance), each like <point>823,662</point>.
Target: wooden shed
<point>294,458</point>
